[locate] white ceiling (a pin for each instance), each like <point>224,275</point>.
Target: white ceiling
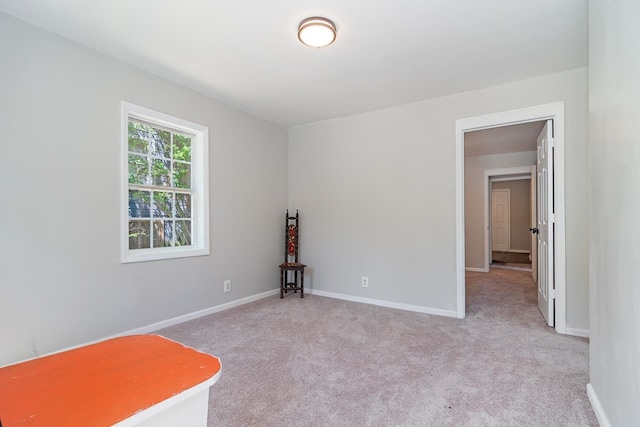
<point>246,53</point>
<point>502,140</point>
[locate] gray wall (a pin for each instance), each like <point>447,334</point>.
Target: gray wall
<point>615,208</point>
<point>520,212</point>
<point>61,280</point>
<point>474,168</point>
<point>377,194</point>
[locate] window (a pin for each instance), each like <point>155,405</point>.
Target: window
<point>164,186</point>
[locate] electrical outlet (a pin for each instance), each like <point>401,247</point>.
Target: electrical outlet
<point>365,282</point>
<point>227,285</point>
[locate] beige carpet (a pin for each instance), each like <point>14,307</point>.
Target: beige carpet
<point>324,362</point>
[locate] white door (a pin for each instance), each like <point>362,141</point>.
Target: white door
<point>500,222</point>
<point>534,225</point>
<point>545,222</point>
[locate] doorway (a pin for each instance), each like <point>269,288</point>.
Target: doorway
<point>519,253</point>
<point>553,112</point>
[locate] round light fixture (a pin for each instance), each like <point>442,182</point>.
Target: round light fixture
<point>317,32</point>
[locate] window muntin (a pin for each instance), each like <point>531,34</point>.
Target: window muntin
<point>160,187</point>
<point>165,190</point>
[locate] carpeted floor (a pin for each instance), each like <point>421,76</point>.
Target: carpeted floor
<point>325,362</point>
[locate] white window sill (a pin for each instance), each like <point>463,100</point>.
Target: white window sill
<point>140,255</point>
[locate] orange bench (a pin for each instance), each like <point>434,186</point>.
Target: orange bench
<point>132,380</point>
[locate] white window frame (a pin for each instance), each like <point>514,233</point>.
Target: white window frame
<point>199,178</point>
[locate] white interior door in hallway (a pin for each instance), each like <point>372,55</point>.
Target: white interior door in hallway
<point>545,223</point>
<point>500,220</point>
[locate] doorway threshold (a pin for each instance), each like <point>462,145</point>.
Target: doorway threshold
<point>507,266</point>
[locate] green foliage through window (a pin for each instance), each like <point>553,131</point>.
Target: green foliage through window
<point>160,212</point>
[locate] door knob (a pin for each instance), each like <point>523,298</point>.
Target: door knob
<point>534,230</point>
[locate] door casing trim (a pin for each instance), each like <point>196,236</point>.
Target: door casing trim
<point>556,112</point>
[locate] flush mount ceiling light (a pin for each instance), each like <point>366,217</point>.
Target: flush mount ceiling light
<point>317,32</point>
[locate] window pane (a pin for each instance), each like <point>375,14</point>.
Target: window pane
<point>138,169</point>
<point>162,204</point>
<point>183,205</point>
<point>181,175</point>
<point>162,233</point>
<point>139,234</point>
<point>161,172</point>
<point>139,204</point>
<point>183,233</point>
<point>181,147</point>
<point>161,143</point>
<point>138,138</point>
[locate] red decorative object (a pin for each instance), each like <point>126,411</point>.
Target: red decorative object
<point>291,240</point>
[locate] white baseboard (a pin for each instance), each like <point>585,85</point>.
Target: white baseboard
<point>476,269</point>
<point>166,323</point>
<point>520,251</point>
<point>577,332</point>
<point>597,407</point>
<point>383,303</point>
<point>200,313</point>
